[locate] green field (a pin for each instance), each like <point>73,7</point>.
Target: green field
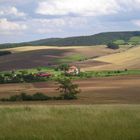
<point>72,58</point>
<point>98,122</point>
<point>27,75</point>
<point>105,73</point>
<point>134,40</point>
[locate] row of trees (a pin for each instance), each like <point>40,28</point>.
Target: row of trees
<point>23,76</point>
<point>66,87</point>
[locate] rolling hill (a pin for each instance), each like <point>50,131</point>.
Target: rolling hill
<point>30,56</point>
<point>129,59</point>
<point>83,51</point>
<point>97,39</point>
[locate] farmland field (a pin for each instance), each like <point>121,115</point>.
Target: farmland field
<point>108,107</point>
<point>87,58</point>
<point>98,122</point>
<point>103,90</point>
<point>128,59</point>
<point>30,57</point>
<point>69,70</point>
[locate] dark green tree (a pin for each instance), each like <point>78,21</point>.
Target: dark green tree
<point>68,89</point>
<point>112,46</point>
<point>63,67</point>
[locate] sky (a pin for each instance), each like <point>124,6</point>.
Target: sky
<point>27,20</point>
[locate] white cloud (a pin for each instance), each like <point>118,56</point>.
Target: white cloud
<point>46,31</point>
<point>45,26</point>
<point>8,27</point>
<point>136,22</point>
<point>13,11</point>
<point>56,25</point>
<point>51,22</point>
<point>86,7</point>
<point>78,7</point>
<point>66,21</point>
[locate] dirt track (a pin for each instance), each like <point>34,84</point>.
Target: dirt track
<point>124,89</point>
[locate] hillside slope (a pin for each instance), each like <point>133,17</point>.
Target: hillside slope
<point>129,59</point>
<point>97,39</point>
<point>30,57</point>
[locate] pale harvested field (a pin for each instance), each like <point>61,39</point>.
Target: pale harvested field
<point>118,89</point>
<point>129,59</point>
<point>89,51</point>
<point>98,48</point>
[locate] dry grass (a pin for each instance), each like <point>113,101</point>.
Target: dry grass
<point>33,48</point>
<point>129,59</point>
<point>108,122</point>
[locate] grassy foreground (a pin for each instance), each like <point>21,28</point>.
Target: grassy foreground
<point>99,122</point>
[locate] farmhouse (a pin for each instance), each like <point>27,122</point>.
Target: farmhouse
<point>73,70</point>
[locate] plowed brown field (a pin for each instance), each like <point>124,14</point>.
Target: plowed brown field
<point>30,57</point>
<point>118,89</point>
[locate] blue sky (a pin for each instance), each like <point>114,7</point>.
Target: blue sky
<point>26,20</point>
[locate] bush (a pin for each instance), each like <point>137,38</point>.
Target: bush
<point>112,46</point>
<point>125,69</point>
<point>21,97</point>
<point>4,53</point>
<point>40,96</point>
<point>63,67</point>
<point>2,79</point>
<point>69,96</point>
<point>37,97</point>
<point>85,74</point>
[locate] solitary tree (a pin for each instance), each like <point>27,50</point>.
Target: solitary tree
<point>112,46</point>
<point>67,88</point>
